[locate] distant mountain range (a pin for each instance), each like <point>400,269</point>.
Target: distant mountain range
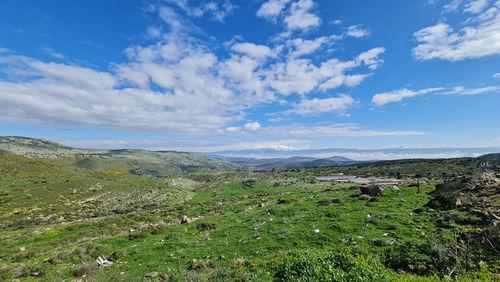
<point>286,163</point>
<point>350,154</point>
<point>166,163</point>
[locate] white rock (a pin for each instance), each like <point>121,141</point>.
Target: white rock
<point>316,231</point>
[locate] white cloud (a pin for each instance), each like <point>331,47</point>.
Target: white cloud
<point>297,130</point>
<point>337,22</point>
<point>271,9</point>
<point>217,10</point>
<point>299,16</point>
<point>177,85</point>
<point>398,95</point>
<point>319,106</point>
<point>453,6</point>
<point>252,50</point>
<point>460,90</point>
<point>479,37</point>
<point>52,53</point>
<point>356,31</point>
<point>476,6</point>
<point>496,75</point>
<point>252,126</point>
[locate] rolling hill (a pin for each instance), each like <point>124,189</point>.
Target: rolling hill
<point>141,162</point>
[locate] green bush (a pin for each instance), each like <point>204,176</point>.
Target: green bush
<point>207,226</point>
<point>333,265</point>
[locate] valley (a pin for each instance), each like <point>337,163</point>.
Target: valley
<point>60,213</point>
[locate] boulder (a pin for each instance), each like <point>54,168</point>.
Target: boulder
<point>185,219</point>
<point>151,274</point>
<point>240,261</point>
<point>372,190</point>
<point>394,188</point>
<point>364,197</point>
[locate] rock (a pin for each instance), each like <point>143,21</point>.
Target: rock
<point>221,257</point>
<point>316,231</point>
<point>398,200</point>
<point>421,268</point>
<point>364,197</point>
<point>394,188</point>
<point>185,219</point>
<point>22,249</point>
<point>151,274</point>
<point>240,261</point>
<point>371,190</point>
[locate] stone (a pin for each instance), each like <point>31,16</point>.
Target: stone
<point>371,190</point>
<point>394,188</point>
<point>364,197</point>
<point>22,249</point>
<point>151,274</point>
<point>316,231</point>
<point>185,219</point>
<point>240,261</point>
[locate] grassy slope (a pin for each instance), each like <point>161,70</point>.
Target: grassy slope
<point>77,227</point>
<point>140,162</point>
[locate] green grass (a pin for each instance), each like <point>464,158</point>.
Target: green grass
<point>244,225</point>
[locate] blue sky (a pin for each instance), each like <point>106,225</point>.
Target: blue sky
<point>276,74</point>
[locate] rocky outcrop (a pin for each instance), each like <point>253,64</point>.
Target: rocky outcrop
<point>372,190</point>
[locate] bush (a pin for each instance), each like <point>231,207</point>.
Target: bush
<point>334,265</point>
<point>326,202</point>
<point>158,229</point>
<point>207,226</point>
<point>86,269</point>
<point>118,254</point>
<point>286,201</point>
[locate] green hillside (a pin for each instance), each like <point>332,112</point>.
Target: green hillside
<point>140,162</point>
<point>58,216</point>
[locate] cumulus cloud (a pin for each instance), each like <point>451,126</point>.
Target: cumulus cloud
<point>356,31</point>
<point>398,95</point>
<point>252,126</point>
<point>178,85</point>
<point>252,50</point>
<point>300,16</point>
<point>319,106</point>
<point>476,6</point>
<point>218,11</point>
<point>479,36</point>
<point>271,9</point>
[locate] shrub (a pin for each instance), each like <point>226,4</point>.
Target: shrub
<point>158,229</point>
<point>137,235</point>
<point>286,201</point>
<point>207,226</point>
<point>86,269</point>
<point>118,254</point>
<point>326,202</point>
<point>334,265</point>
